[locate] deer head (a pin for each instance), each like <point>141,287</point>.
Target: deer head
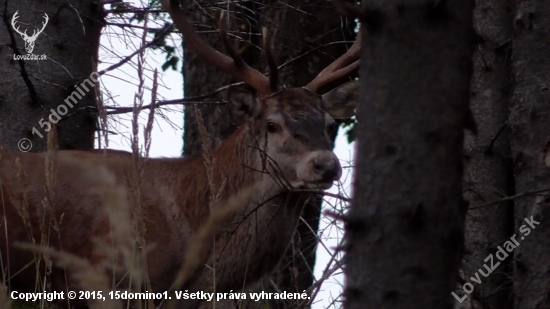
<point>291,125</point>
<point>29,40</point>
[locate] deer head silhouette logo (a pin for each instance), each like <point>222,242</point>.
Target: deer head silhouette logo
<point>29,39</point>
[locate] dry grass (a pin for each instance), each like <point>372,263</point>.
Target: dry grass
<point>127,234</point>
<point>126,249</point>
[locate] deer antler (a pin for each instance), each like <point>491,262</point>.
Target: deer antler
<point>233,65</point>
<point>340,68</point>
<point>13,22</point>
<point>36,33</point>
<point>272,66</point>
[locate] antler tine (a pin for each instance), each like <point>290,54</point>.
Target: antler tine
<point>239,62</point>
<point>44,23</point>
<point>13,23</point>
<point>270,61</point>
<point>340,68</point>
<point>233,65</point>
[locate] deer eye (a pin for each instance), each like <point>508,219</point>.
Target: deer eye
<point>272,127</point>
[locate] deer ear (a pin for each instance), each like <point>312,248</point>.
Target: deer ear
<point>242,104</point>
<point>340,102</point>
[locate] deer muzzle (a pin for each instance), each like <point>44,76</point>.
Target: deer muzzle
<point>319,169</point>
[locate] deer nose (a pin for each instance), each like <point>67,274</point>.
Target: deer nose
<point>328,169</point>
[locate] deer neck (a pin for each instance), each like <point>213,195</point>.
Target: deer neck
<point>234,166</point>
<point>252,241</point>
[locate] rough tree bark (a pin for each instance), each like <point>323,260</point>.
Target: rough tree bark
<point>487,159</point>
<point>30,88</point>
<point>404,232</point>
<point>296,27</point>
<point>530,143</point>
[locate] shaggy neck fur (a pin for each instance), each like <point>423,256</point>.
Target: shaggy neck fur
<point>252,243</point>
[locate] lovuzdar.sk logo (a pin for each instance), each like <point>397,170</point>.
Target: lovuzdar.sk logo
<point>29,39</point>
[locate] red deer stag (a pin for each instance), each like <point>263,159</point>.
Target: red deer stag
<point>282,135</point>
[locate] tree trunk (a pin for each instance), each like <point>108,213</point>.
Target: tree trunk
<point>33,93</point>
<point>488,170</point>
<point>296,27</point>
<point>405,227</point>
<point>530,143</point>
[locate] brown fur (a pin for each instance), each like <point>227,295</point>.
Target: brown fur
<point>282,136</point>
<point>175,198</point>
